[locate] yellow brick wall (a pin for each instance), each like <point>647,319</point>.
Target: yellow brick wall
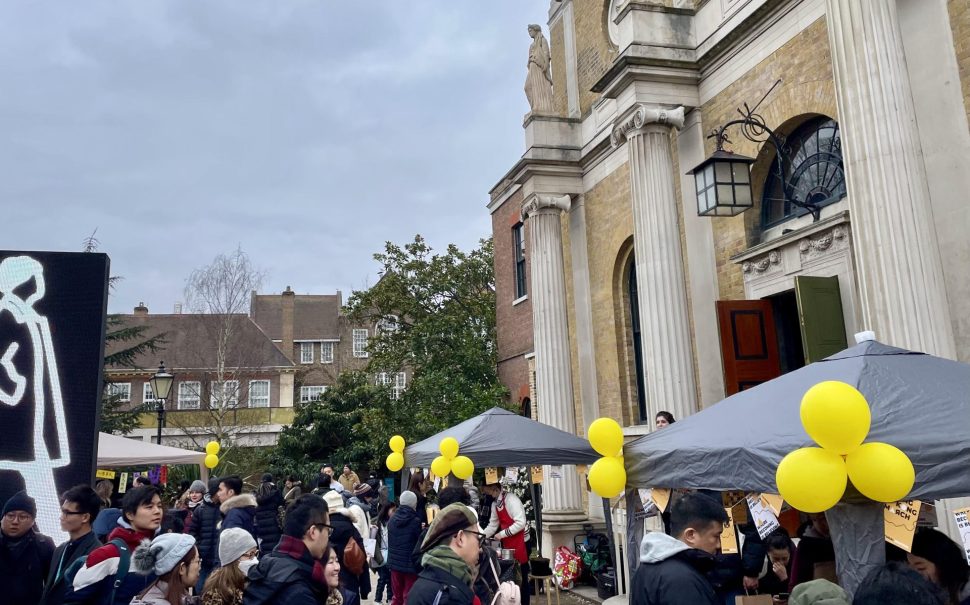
<point>804,65</point>
<point>960,23</point>
<point>594,52</point>
<point>557,47</point>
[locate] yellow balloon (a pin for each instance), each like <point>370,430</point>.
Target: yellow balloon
<point>441,466</point>
<point>811,479</point>
<point>395,461</point>
<point>212,448</point>
<point>606,437</point>
<point>448,448</point>
<point>607,476</point>
<point>462,467</point>
<point>211,461</point>
<point>836,416</point>
<point>397,444</point>
<point>881,472</point>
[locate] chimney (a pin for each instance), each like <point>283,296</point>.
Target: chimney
<point>141,310</point>
<point>340,300</point>
<point>178,308</point>
<point>288,302</point>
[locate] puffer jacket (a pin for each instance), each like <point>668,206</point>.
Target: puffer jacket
<point>287,575</point>
<point>93,583</point>
<point>403,531</point>
<point>343,532</point>
<point>205,530</point>
<point>239,511</point>
<point>268,501</point>
<point>672,573</point>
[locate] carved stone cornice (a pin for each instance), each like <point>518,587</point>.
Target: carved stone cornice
<point>545,201</point>
<point>813,247</point>
<point>762,264</point>
<point>641,116</point>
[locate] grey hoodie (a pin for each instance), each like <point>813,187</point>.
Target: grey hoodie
<point>672,573</point>
<point>658,546</point>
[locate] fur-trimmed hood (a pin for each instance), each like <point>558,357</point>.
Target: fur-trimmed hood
<point>240,501</point>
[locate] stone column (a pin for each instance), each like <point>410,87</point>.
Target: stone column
<point>668,361</point>
<point>900,273</point>
<point>554,385</point>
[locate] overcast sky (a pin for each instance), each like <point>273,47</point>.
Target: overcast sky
<point>308,132</point>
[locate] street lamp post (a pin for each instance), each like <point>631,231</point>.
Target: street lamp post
<point>161,387</point>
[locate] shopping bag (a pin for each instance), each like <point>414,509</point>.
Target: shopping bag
<point>753,599</point>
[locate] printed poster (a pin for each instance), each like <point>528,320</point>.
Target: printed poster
<point>491,475</point>
<point>555,471</point>
<point>660,497</point>
<point>512,474</point>
<point>964,526</point>
<point>537,474</point>
<point>729,538</point>
<point>102,474</point>
<point>901,518</point>
<point>764,520</point>
<point>123,483</point>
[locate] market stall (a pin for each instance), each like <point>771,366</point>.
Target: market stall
<point>117,451</point>
<point>919,404</point>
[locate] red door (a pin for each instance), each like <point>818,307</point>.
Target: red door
<point>749,345</point>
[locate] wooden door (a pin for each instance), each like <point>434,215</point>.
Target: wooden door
<point>749,343</point>
<point>820,316</point>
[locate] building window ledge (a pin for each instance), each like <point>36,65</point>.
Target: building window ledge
<point>520,299</point>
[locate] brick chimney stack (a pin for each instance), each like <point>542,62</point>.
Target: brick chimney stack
<point>141,310</point>
<point>287,306</point>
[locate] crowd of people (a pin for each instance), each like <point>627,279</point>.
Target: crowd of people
<point>221,544</point>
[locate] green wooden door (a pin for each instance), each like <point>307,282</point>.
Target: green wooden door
<point>820,316</point>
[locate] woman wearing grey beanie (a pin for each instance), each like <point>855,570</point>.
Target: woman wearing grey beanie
<point>174,559</point>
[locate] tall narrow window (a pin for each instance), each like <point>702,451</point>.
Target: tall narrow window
<point>147,395</point>
<point>224,394</point>
<point>400,383</point>
<point>326,352</point>
<point>259,393</point>
<point>306,352</point>
<point>360,343</point>
<point>518,250</point>
<point>190,395</point>
<point>637,346</point>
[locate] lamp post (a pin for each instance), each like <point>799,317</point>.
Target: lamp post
<point>161,387</point>
<point>723,181</point>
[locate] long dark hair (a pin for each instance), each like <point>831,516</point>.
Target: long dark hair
<point>177,591</point>
<point>385,512</point>
<point>951,566</point>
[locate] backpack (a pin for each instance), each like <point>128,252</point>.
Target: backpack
<point>124,563</point>
<point>507,593</point>
<point>354,557</point>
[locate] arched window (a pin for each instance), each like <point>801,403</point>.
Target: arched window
<point>815,173</point>
<point>637,345</point>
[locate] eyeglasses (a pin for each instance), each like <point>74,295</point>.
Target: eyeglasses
<point>22,517</point>
<point>64,511</point>
<point>321,526</point>
<point>479,535</point>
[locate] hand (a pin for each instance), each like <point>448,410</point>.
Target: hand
<point>750,583</point>
<point>779,600</point>
<point>780,571</point>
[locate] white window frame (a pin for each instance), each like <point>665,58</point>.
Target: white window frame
<point>306,393</point>
<point>147,394</point>
<point>121,391</point>
<point>186,397</point>
<point>400,384</point>
<point>360,336</point>
<point>220,388</point>
<point>306,352</point>
<point>326,347</point>
<point>259,401</point>
<point>387,325</point>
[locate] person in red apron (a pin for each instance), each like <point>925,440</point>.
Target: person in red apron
<point>508,524</point>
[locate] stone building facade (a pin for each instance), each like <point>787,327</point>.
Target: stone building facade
<point>637,303</point>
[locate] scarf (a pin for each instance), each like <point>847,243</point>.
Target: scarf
<point>296,549</point>
<point>447,560</point>
<point>334,597</point>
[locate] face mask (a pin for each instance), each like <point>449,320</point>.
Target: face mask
<point>245,566</point>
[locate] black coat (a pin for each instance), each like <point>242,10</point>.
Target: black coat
<point>205,529</point>
<point>23,570</point>
<point>431,580</point>
<point>678,580</point>
<point>279,578</point>
<point>54,587</point>
<point>403,531</point>
<point>344,531</point>
<point>267,518</point>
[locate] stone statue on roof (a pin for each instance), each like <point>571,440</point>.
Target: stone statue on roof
<point>538,81</point>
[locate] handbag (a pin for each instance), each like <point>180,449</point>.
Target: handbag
<point>753,599</point>
<point>354,557</point>
<point>508,593</point>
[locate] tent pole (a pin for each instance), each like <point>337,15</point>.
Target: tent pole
<point>858,535</point>
<point>537,511</point>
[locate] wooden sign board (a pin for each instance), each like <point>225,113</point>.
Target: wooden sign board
<point>537,474</point>
<point>660,497</point>
<point>491,475</point>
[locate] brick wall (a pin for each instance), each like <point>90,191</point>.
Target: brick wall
<point>594,52</point>
<point>557,47</point>
<point>960,23</point>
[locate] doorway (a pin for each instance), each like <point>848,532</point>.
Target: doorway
<point>784,306</point>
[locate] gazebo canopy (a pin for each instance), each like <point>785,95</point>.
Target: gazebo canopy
<point>919,403</point>
<point>502,438</point>
<point>115,451</point>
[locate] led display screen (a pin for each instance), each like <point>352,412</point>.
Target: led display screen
<point>52,323</point>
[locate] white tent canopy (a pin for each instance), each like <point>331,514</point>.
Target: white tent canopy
<point>115,451</point>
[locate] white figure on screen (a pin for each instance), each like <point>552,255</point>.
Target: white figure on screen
<point>35,382</point>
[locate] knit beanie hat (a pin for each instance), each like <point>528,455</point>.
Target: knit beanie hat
<point>162,554</point>
<point>197,486</point>
<point>409,498</point>
<point>234,543</point>
<point>335,502</point>
<point>20,501</point>
<point>818,592</point>
<point>266,478</point>
<point>449,521</point>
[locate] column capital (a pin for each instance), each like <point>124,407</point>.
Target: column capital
<point>545,201</point>
<point>643,115</point>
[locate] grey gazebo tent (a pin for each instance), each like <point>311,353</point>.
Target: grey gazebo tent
<point>499,437</point>
<point>919,403</point>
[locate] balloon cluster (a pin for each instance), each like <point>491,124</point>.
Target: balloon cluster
<point>607,477</point>
<point>212,454</point>
<point>395,460</point>
<point>837,417</point>
<point>450,462</point>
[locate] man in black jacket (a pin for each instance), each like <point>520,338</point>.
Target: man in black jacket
<point>403,531</point>
<point>269,499</point>
<point>205,529</point>
<point>673,571</point>
<point>451,550</point>
<point>79,508</point>
<point>25,555</point>
<point>286,575</point>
